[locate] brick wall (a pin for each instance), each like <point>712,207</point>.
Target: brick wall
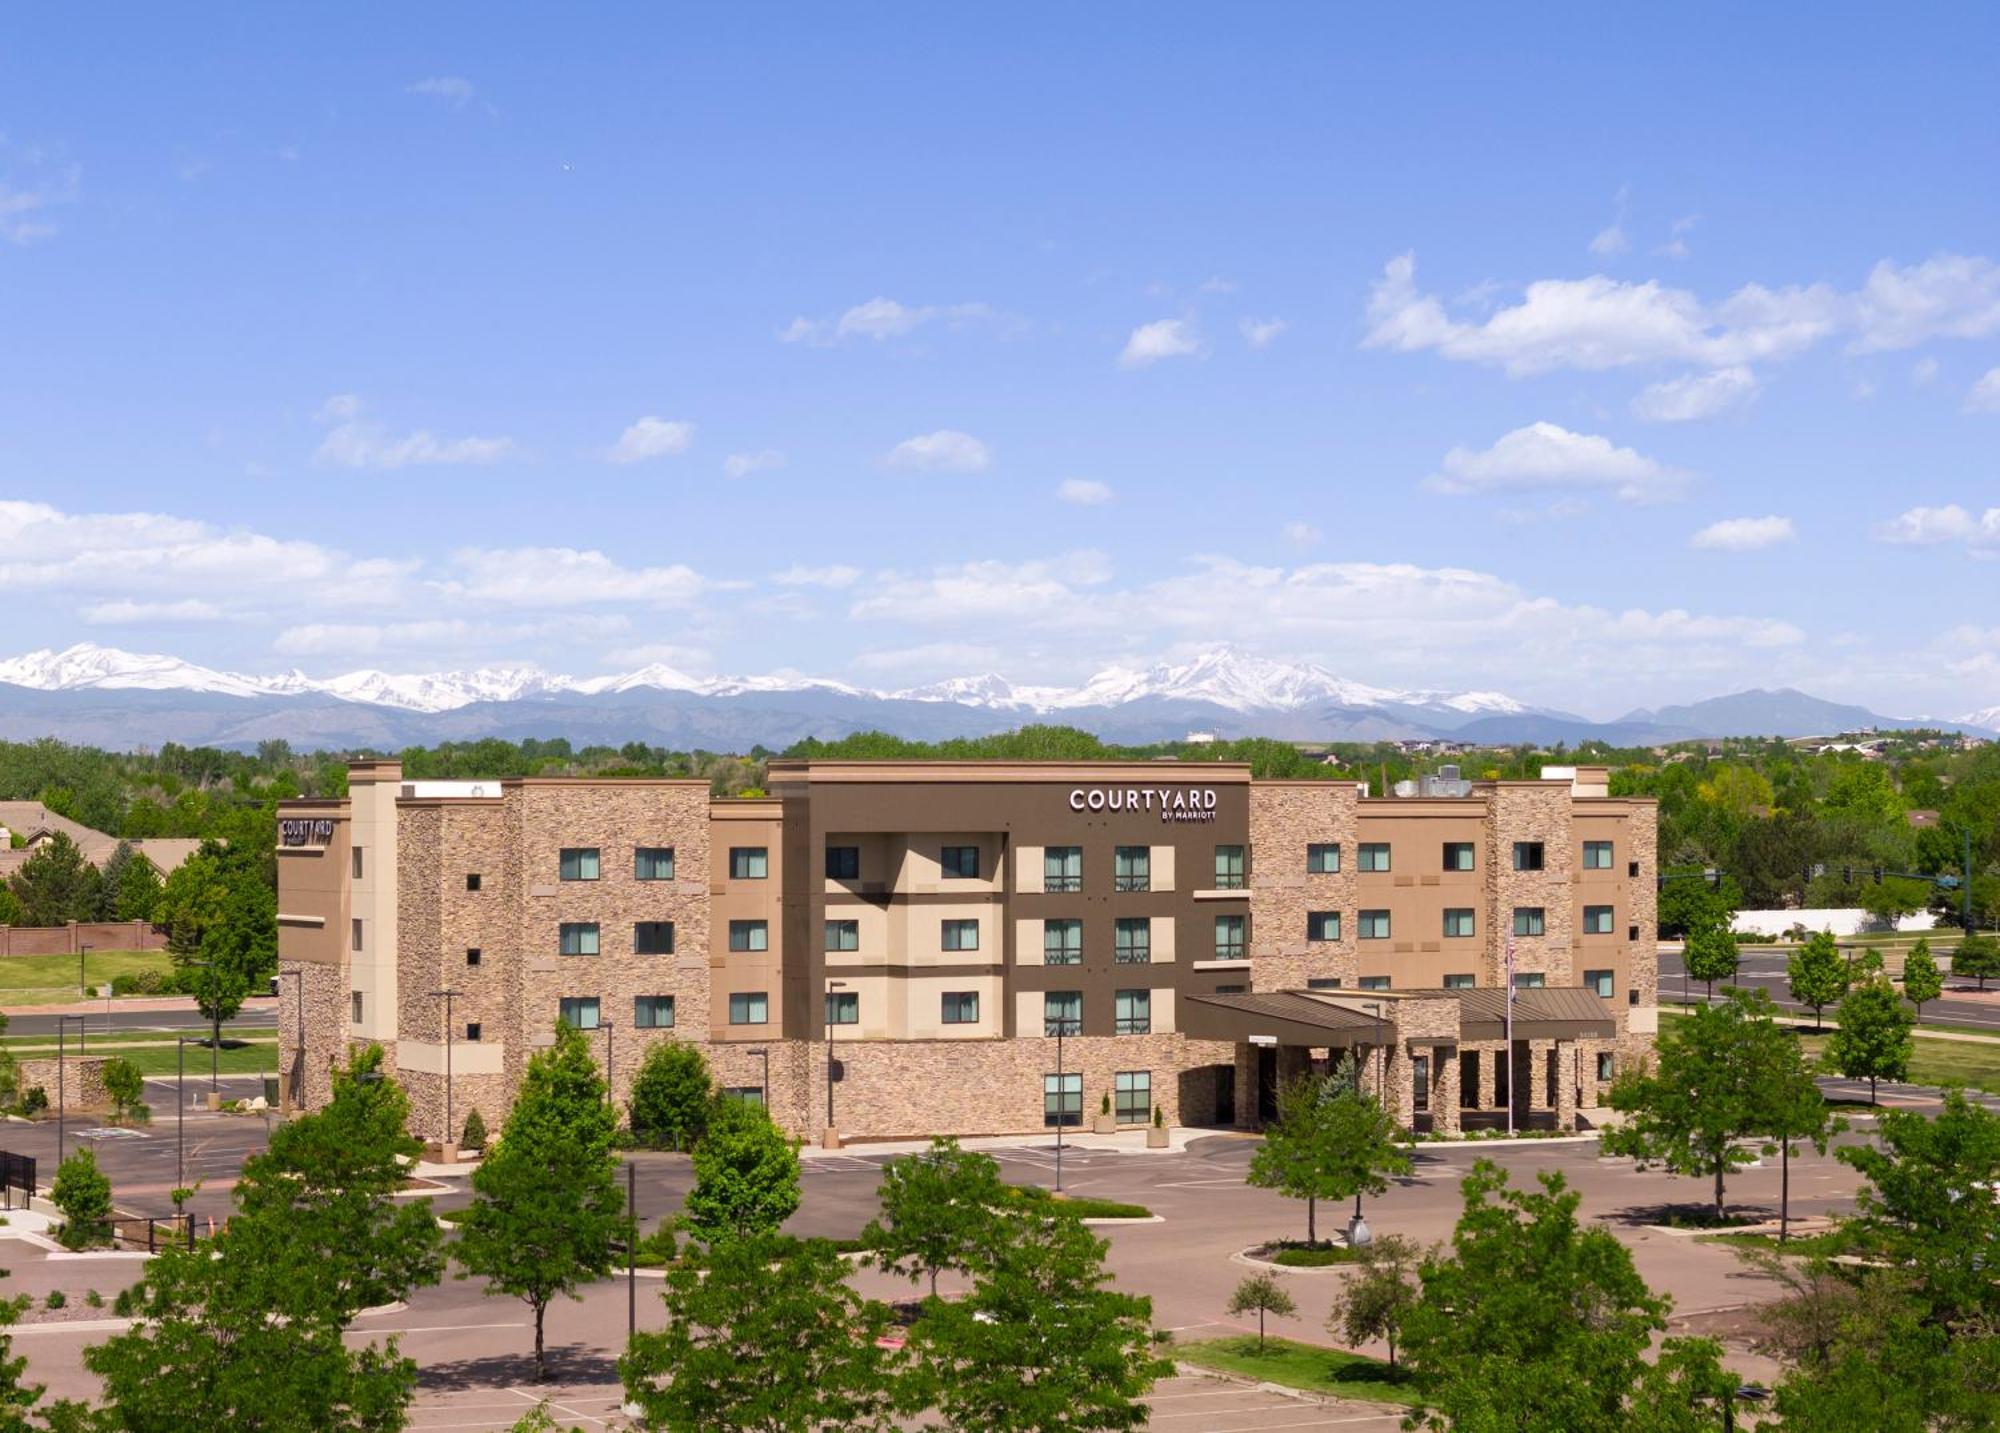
<point>69,939</point>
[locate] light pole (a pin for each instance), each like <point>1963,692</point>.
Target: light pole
<point>299,1056</point>
<point>831,986</point>
<point>764,1089</point>
<point>447,996</point>
<point>180,1111</point>
<point>82,949</point>
<point>62,1082</point>
<point>1062,1097</point>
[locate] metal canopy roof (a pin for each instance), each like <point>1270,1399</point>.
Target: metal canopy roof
<point>1331,1019</point>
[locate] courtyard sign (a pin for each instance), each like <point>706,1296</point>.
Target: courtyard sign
<point>1174,803</point>
<point>305,831</point>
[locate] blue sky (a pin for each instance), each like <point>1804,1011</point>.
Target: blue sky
<point>1424,348</point>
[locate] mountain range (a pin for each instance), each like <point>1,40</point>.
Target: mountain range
<point>112,698</point>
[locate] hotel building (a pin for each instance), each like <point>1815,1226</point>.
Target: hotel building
<point>886,949</point>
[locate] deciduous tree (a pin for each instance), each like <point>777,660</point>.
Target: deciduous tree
<point>1262,1294</point>
<point>1380,1294</point>
<point>1922,981</point>
<point>1330,1141</point>
<point>671,1096</point>
<point>1817,975</point>
<point>1873,1041</point>
<point>83,1194</point>
<point>55,884</point>
<point>1711,955</point>
<point>1978,957</point>
<point>937,1212</point>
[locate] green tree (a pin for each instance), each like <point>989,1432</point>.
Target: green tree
<point>1977,956</point>
<point>1380,1295</point>
<point>1893,897</point>
<point>764,1334</point>
<point>220,908</point>
<point>671,1096</point>
<point>132,887</point>
<point>1040,1345</point>
<point>1816,973</point>
<point>1331,1141</point>
<point>11,912</point>
<point>1687,902</point>
<point>746,1175</point>
<point>1711,955</point>
<point>1790,1110</point>
<point>83,1194</point>
<point>248,1329</point>
<point>55,884</point>
<point>546,1205</point>
<point>125,1085</point>
<point>1922,981</point>
<point>1536,1324</point>
<point>1873,1040</point>
<point>1692,1111</point>
<point>1261,1294</point>
<point>937,1212</point>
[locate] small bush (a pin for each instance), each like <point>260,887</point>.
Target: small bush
<point>125,1085</point>
<point>140,982</point>
<point>83,1194</point>
<point>1312,1256</point>
<point>1043,1202</point>
<point>659,1248</point>
<point>34,1101</point>
<point>475,1132</point>
<point>93,1298</point>
<point>57,1299</point>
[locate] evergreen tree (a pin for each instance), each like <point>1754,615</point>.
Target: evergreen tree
<point>671,1096</point>
<point>133,888</point>
<point>546,1204</point>
<point>1331,1141</point>
<point>1873,1040</point>
<point>1261,1294</point>
<point>1922,981</point>
<point>764,1334</point>
<point>1817,974</point>
<point>56,884</point>
<point>746,1175</point>
<point>937,1212</point>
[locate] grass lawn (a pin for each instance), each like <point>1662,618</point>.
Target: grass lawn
<point>1834,1241</point>
<point>1941,1062</point>
<point>94,1036</point>
<point>236,1060</point>
<point>1300,1365</point>
<point>51,979</point>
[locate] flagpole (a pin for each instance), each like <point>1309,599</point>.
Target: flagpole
<point>1510,1036</point>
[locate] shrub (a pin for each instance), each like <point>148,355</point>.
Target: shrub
<point>93,1298</point>
<point>56,1299</point>
<point>671,1097</point>
<point>84,1195</point>
<point>34,1101</point>
<point>659,1248</point>
<point>475,1132</point>
<point>1043,1202</point>
<point>1313,1256</point>
<point>141,982</point>
<point>125,1084</point>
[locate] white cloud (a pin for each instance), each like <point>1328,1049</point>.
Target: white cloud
<point>1163,338</point>
<point>1085,492</point>
<point>1744,534</point>
<point>32,182</point>
<point>187,609</point>
<point>742,465</point>
<point>1259,332</point>
<point>884,318</point>
<point>1985,394</point>
<point>1610,240</point>
<point>452,89</point>
<point>151,555</point>
<point>1696,395</point>
<point>356,441</point>
<point>1924,371</point>
<point>1042,591</point>
<point>1949,296</point>
<point>666,654</point>
<point>567,577</point>
<point>1545,456</point>
<point>835,575</point>
<point>944,659</point>
<point>1931,526</point>
<point>432,634</point>
<point>1676,246</point>
<point>945,451</point>
<point>1302,534</point>
<point>651,437</point>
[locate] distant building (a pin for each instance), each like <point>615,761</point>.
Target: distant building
<point>36,825</point>
<point>1200,738</point>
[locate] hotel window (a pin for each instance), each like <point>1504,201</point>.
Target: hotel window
<point>357,863</point>
<point>1374,856</point>
<point>749,863</point>
<point>1373,925</point>
<point>1373,982</point>
<point>1132,868</point>
<point>354,933</point>
<point>1458,855</point>
<point>1530,980</point>
<point>1133,1096</point>
<point>1323,982</point>
<point>1132,1012</point>
<point>749,935</point>
<point>1597,920</point>
<point>1062,868</point>
<point>960,862</point>
<point>1597,855</point>
<point>958,935</point>
<point>653,863</point>
<point>472,1031</point>
<point>1323,859</point>
<point>1237,989</point>
<point>745,1094</point>
<point>652,938</point>
<point>1229,937</point>
<point>579,1012</point>
<point>1460,982</point>
<point>1528,920</point>
<point>959,1007</point>
<point>1229,868</point>
<point>1600,983</point>
<point>1607,1065</point>
<point>577,938</point>
<point>1062,1012</point>
<point>356,1003</point>
<point>1062,942</point>
<point>1527,855</point>
<point>652,1012</point>
<point>843,1007</point>
<point>750,1008</point>
<point>1062,1100</point>
<point>1458,921</point>
<point>472,880</point>
<point>1631,932</point>
<point>1132,940</point>
<point>472,955</point>
<point>577,863</point>
<point>843,935</point>
<point>843,863</point>
<point>1322,925</point>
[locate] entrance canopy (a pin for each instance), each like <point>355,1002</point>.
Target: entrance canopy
<point>1343,1020</point>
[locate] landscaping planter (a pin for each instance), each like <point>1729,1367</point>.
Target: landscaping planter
<point>1156,1138</point>
<point>1104,1124</point>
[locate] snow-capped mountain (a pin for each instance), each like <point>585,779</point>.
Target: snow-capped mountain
<point>87,665</point>
<point>1988,717</point>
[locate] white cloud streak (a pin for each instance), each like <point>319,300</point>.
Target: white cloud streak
<point>1696,396</point>
<point>1162,339</point>
<point>357,441</point>
<point>651,438</point>
<point>885,318</point>
<point>945,451</point>
<point>1084,492</point>
<point>1544,456</point>
<point>1744,534</point>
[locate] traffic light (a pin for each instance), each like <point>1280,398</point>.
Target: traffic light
<point>1847,875</point>
<point>1878,875</point>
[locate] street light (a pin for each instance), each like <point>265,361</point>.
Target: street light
<point>215,1027</point>
<point>180,1110</point>
<point>299,1056</point>
<point>831,986</point>
<point>82,949</point>
<point>1062,1097</point>
<point>62,1083</point>
<point>447,996</point>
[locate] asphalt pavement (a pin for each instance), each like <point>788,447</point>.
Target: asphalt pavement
<point>255,1015</point>
<point>1963,1003</point>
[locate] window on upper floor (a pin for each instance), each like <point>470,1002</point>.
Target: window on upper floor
<point>652,1012</point>
<point>653,863</point>
<point>1322,925</point>
<point>1460,982</point>
<point>843,935</point>
<point>579,1012</point>
<point>749,863</point>
<point>1062,942</point>
<point>843,863</point>
<point>959,1007</point>
<point>958,935</point>
<point>1597,855</point>
<point>472,1031</point>
<point>1599,920</point>
<point>843,1007</point>
<point>355,857</point>
<point>749,1007</point>
<point>1228,868</point>
<point>1372,925</point>
<point>1229,943</point>
<point>1600,982</point>
<point>1372,856</point>
<point>1132,940</point>
<point>577,863</point>
<point>652,938</point>
<point>1062,868</point>
<point>354,933</point>
<point>1528,920</point>
<point>1132,1012</point>
<point>1458,922</point>
<point>1323,858</point>
<point>1528,856</point>
<point>749,935</point>
<point>1062,1012</point>
<point>1132,868</point>
<point>1458,855</point>
<point>472,955</point>
<point>576,938</point>
<point>960,862</point>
